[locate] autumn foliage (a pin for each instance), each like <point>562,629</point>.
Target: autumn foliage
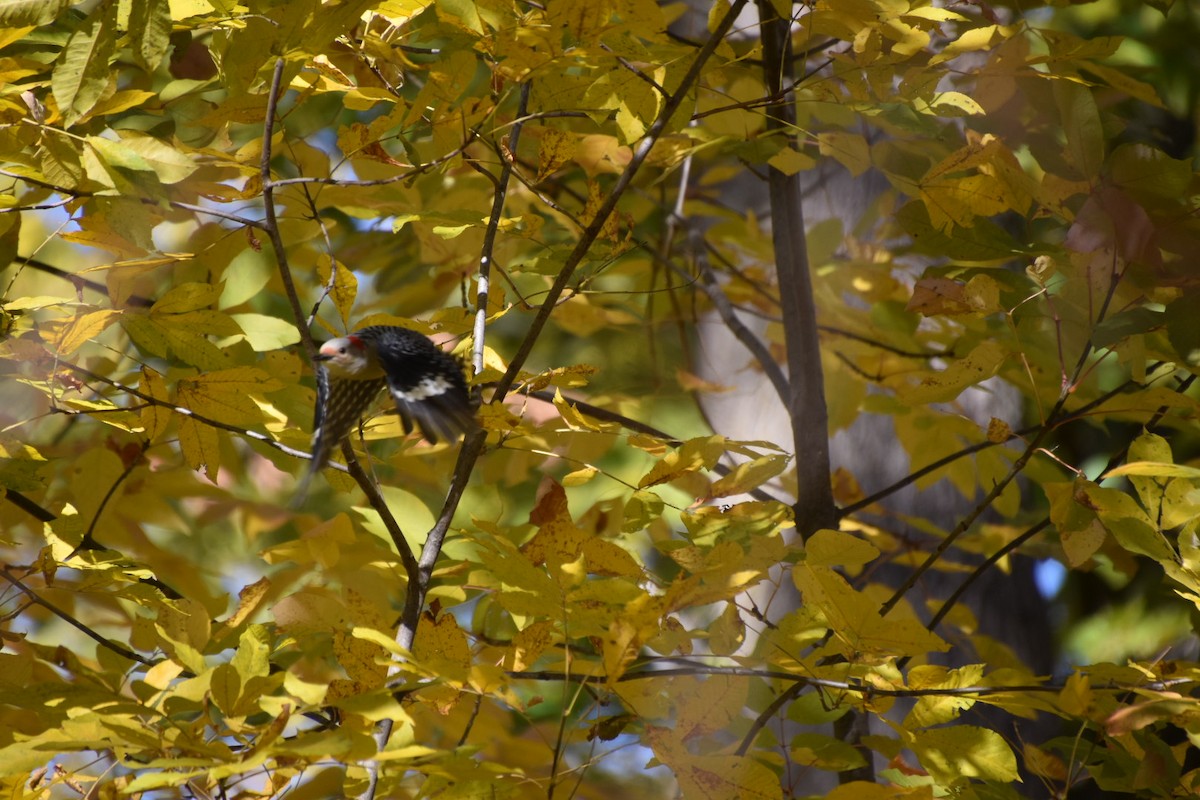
<point>193,192</point>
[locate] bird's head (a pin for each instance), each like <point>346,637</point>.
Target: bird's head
<point>350,357</point>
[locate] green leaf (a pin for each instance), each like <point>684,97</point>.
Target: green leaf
<point>19,13</point>
<point>1123,324</point>
<point>1082,126</point>
<point>1127,522</point>
<point>961,752</point>
<point>1183,327</point>
<point>170,165</point>
<point>266,333</point>
<point>1145,170</point>
<point>938,387</point>
<point>82,75</point>
<point>642,508</point>
<point>150,32</point>
<point>1156,469</point>
<point>245,277</point>
<point>982,241</point>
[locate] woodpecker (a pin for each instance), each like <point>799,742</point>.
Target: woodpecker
<point>424,381</point>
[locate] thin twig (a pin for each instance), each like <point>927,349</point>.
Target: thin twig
<point>88,542</point>
<point>422,572</point>
<point>766,361</point>
<point>1018,466</point>
<point>79,282</point>
<point>1012,546</point>
<point>70,620</point>
<point>916,475</point>
<point>187,412</point>
<point>271,221</point>
<point>648,670</point>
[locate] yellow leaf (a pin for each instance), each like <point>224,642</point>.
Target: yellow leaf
<point>946,102</point>
<point>572,416</point>
<point>692,456</point>
<point>749,475</point>
<point>555,148</point>
<point>441,647</point>
<point>713,777</point>
<point>973,39</point>
<point>580,476</point>
<point>170,165</point>
<point>790,161</point>
<point>1157,469</point>
<point>83,328</point>
<point>250,599</point>
<point>1076,698</point>
<point>529,644</point>
<point>1080,544</point>
<point>321,544</point>
<point>227,394</point>
<point>618,649</point>
<point>200,447</point>
<point>342,286</point>
<point>610,228</point>
<point>187,297</point>
<point>599,154</point>
<point>122,101</point>
<point>183,626</point>
<point>155,418</point>
<point>558,540</point>
<point>607,558</point>
<point>849,149</point>
<point>939,387</point>
<point>982,294</point>
<point>950,754</point>
<point>938,709</point>
<point>266,333</point>
<point>726,634</point>
<point>830,548</point>
<point>998,431</point>
<point>854,618</point>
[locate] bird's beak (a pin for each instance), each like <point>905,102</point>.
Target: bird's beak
<point>321,357</point>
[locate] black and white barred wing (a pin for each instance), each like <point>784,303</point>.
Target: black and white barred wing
<point>340,405</point>
<point>429,391</point>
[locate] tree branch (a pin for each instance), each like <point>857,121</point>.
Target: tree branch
<point>70,620</point>
<point>596,225</point>
<point>805,402</point>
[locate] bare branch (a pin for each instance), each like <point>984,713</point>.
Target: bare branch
<point>186,412</point>
<point>805,398</point>
<point>272,222</point>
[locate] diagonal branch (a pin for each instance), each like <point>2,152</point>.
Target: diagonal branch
<point>422,572</point>
<point>1055,418</point>
<point>271,222</point>
<point>70,620</point>
<point>589,235</point>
